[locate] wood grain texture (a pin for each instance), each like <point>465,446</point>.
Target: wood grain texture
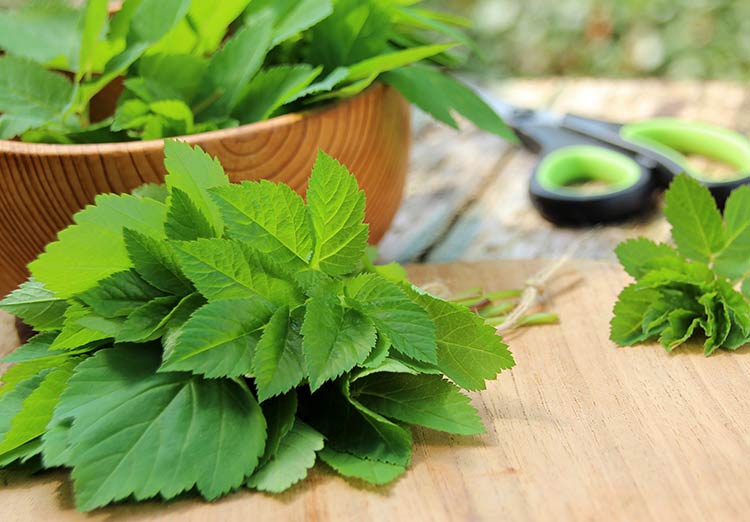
<point>467,194</point>
<point>579,430</point>
<point>42,186</point>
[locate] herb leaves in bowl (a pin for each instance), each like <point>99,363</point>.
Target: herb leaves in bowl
<point>212,336</point>
<point>196,66</point>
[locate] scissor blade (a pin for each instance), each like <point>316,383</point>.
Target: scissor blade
<point>516,116</point>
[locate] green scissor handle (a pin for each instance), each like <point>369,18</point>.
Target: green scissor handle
<point>675,139</point>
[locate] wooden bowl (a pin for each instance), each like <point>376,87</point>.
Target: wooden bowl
<point>42,186</point>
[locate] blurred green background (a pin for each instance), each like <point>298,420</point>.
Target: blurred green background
<point>613,38</point>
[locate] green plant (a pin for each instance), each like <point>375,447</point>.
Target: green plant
<point>212,336</point>
<point>679,292</point>
<point>196,65</point>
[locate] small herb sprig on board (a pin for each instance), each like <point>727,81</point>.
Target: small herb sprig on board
<point>193,66</point>
<point>691,289</point>
<point>213,336</point>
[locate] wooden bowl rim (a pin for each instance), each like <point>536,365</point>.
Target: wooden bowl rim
<point>83,149</point>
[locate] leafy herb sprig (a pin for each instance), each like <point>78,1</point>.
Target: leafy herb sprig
<point>213,336</point>
<point>192,66</point>
<point>693,288</point>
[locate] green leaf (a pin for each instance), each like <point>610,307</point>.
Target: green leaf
<point>426,400</point>
<point>226,269</point>
<point>36,306</point>
<point>195,172</point>
<point>626,328</point>
<point>234,66</point>
<point>148,322</point>
<point>279,362</point>
<point>155,261</point>
<point>355,31</point>
<point>30,92</point>
<point>93,20</point>
<point>24,371</point>
<point>639,256</point>
<point>55,448</point>
<point>681,325</point>
<point>119,294</point>
<point>733,261</point>
<point>337,212</point>
<point>184,74</point>
<point>131,114</point>
<point>295,456</point>
<point>75,335</point>
<point>379,353</point>
<point>123,412</point>
<point>289,17</point>
<point>36,349</point>
<point>177,114</point>
<point>94,248</point>
<point>469,351</point>
<point>350,427</point>
<point>22,454</point>
<point>185,221</point>
<point>45,32</point>
<point>326,84</point>
<point>271,218</point>
<point>271,89</point>
<point>438,94</point>
<point>406,324</point>
<point>219,339</point>
<point>372,471</point>
<point>152,19</point>
<point>36,410</point>
<point>335,340</point>
<point>347,91</point>
<point>155,191</point>
<point>12,126</point>
<point>697,228</point>
<point>280,414</point>
<point>737,304</point>
<point>211,20</point>
<point>377,65</point>
<point>11,402</point>
<point>717,323</point>
<point>146,22</point>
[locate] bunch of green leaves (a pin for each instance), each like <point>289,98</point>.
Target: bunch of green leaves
<point>212,336</point>
<point>701,285</point>
<point>192,66</point>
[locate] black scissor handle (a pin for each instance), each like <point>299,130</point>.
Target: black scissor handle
<point>631,186</point>
<point>571,153</point>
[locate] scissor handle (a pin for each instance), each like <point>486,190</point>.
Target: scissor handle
<point>675,138</point>
<point>629,186</point>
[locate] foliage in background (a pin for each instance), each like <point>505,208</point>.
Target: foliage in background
<point>210,336</point>
<point>617,38</point>
<point>192,66</point>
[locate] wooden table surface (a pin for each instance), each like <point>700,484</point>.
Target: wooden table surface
<point>578,430</point>
<point>467,193</point>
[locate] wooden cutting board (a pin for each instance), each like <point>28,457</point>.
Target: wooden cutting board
<point>579,430</point>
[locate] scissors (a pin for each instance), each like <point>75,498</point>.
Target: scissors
<point>628,162</point>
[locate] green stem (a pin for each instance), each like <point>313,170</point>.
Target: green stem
<point>539,319</point>
<point>503,295</point>
<point>497,310</point>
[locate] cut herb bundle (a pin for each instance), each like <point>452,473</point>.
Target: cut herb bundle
<point>192,66</point>
<point>680,292</point>
<point>210,336</point>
